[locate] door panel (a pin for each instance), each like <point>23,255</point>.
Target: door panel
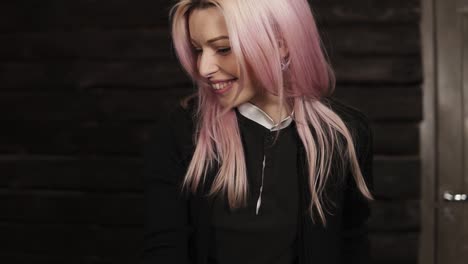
<point>463,11</point>
<point>452,131</point>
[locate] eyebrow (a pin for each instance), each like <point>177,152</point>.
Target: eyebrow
<point>213,39</point>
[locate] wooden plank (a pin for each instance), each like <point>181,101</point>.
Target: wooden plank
<point>394,177</point>
<point>19,257</point>
<point>360,69</point>
<point>93,105</point>
<point>391,248</point>
<point>397,216</point>
<point>393,103</point>
<point>375,39</point>
<point>382,102</point>
<point>83,75</point>
<point>57,15</point>
<point>55,75</point>
<point>62,240</point>
<point>372,11</point>
<point>141,43</point>
<point>53,15</point>
<point>74,105</point>
<point>120,209</point>
<point>72,138</point>
<point>97,243</point>
<point>93,174</point>
<point>397,177</point>
<point>128,138</point>
<point>144,43</point>
<point>396,138</point>
<point>71,207</point>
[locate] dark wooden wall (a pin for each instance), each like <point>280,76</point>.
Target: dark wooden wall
<point>82,81</point>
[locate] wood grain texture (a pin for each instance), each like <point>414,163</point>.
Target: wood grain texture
<point>395,216</point>
<point>72,207</point>
<point>378,103</point>
<point>116,138</point>
<point>81,83</point>
<point>155,43</point>
<point>394,177</point>
<point>92,174</point>
<point>52,15</point>
<point>61,240</point>
<point>15,257</point>
<point>391,248</point>
<point>383,103</point>
<point>123,209</point>
<point>397,177</point>
<point>84,74</point>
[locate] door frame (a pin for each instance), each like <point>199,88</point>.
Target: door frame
<point>428,140</point>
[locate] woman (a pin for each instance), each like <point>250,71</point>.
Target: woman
<point>260,165</point>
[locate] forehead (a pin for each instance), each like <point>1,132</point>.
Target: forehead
<point>205,24</point>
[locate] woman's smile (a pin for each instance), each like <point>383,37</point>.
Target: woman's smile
<point>223,87</point>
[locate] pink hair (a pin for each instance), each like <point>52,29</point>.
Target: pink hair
<point>255,29</point>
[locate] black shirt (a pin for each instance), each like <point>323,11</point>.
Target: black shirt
<point>242,235</point>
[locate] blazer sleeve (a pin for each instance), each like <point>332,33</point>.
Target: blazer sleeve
<point>166,228</point>
<point>355,241</point>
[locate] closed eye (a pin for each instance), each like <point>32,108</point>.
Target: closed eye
<point>224,51</point>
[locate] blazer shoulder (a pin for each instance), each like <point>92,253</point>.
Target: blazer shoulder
<point>359,126</point>
<point>179,115</point>
<point>355,119</point>
<point>174,125</point>
<point>189,103</point>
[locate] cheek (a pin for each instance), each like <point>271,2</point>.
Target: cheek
<point>197,63</point>
<point>232,65</point>
<point>248,92</point>
<point>251,90</point>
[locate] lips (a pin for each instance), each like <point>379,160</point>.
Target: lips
<point>223,87</point>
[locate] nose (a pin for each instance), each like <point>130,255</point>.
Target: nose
<point>208,64</point>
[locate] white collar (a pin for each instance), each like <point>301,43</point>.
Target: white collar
<point>257,115</point>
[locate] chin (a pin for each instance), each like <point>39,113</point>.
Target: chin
<point>227,103</point>
<point>243,97</point>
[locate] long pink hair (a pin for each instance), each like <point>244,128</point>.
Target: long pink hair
<point>254,29</point>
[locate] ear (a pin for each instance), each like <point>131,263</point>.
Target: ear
<point>284,51</point>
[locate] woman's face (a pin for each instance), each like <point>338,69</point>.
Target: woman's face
<point>216,62</point>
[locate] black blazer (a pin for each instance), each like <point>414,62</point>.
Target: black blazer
<point>177,227</point>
